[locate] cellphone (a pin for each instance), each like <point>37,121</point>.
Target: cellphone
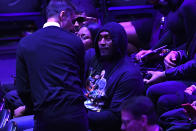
<point>145,57</point>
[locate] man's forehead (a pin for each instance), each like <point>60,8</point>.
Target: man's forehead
<point>104,33</point>
<point>80,15</point>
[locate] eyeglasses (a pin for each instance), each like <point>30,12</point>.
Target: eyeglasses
<point>79,19</point>
<point>82,19</point>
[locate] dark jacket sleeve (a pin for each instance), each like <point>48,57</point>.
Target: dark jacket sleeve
<point>185,71</point>
<point>183,56</point>
<point>110,117</point>
<point>22,82</point>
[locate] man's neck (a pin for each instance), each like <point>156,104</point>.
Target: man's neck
<point>51,22</point>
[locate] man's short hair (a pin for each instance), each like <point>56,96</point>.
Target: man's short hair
<point>56,6</point>
<point>138,106</point>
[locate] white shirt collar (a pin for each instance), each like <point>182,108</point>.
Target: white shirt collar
<point>51,24</point>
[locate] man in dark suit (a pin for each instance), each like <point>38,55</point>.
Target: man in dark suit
<point>49,72</point>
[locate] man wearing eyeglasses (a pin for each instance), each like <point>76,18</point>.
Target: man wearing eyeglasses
<point>86,13</point>
<point>82,19</point>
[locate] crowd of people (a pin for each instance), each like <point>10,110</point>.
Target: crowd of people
<point>77,74</point>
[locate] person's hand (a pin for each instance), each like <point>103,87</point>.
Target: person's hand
<point>171,59</point>
<point>190,110</point>
<point>19,111</point>
<point>157,77</point>
<point>142,53</point>
<point>194,104</point>
<point>189,90</point>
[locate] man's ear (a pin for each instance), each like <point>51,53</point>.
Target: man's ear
<point>62,15</point>
<point>144,120</point>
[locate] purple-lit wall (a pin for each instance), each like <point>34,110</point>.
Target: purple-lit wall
<point>13,26</point>
<point>7,68</point>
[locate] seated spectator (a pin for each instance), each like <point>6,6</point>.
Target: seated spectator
<point>87,33</point>
<point>9,94</point>
<point>180,26</point>
<point>171,101</point>
<point>138,114</point>
<point>180,65</point>
<point>177,77</point>
<point>111,78</point>
<point>181,119</point>
<point>13,101</point>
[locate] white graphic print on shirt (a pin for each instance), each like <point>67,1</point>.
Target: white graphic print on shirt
<point>95,91</point>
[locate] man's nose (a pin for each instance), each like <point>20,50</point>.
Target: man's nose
<point>102,42</point>
<point>76,27</point>
<point>76,24</point>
